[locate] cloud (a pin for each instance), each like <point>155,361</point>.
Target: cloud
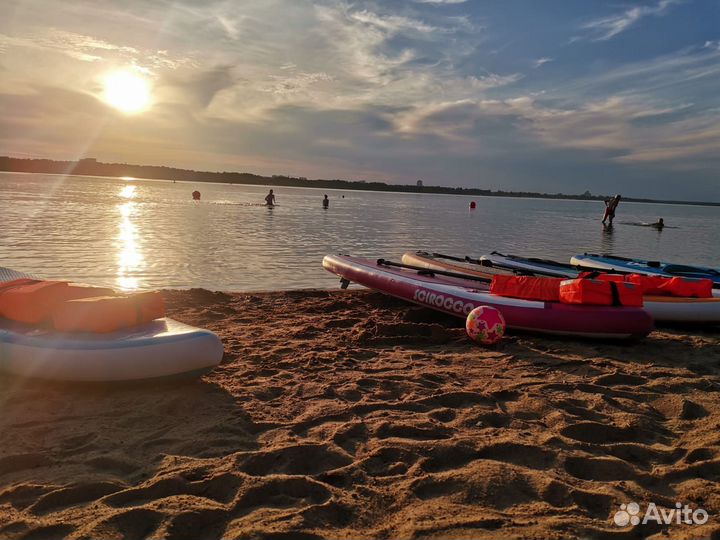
<point>540,61</point>
<point>88,48</point>
<point>607,28</point>
<point>77,46</point>
<point>360,88</point>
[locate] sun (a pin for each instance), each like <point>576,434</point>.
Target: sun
<point>127,91</point>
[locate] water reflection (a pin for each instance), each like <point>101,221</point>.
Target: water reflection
<point>129,257</point>
<point>606,241</point>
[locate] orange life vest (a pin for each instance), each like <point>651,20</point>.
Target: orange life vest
<point>600,292</point>
<point>33,302</point>
<point>108,313</point>
<point>69,307</point>
<point>661,285</point>
<point>546,289</point>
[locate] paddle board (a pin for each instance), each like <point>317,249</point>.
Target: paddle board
<point>458,297</point>
<point>612,263</point>
<point>163,348</point>
<point>531,265</point>
<point>666,309</point>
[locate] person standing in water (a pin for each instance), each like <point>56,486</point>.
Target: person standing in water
<point>610,207</point>
<point>326,202</point>
<point>270,199</point>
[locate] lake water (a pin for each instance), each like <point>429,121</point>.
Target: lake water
<point>144,234</point>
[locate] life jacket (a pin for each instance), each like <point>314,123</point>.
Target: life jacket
<point>108,313</point>
<point>600,292</point>
<point>661,285</point>
<point>32,301</point>
<point>546,289</point>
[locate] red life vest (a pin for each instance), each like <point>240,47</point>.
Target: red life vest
<point>600,292</point>
<point>108,313</point>
<point>69,307</point>
<point>546,289</point>
<point>33,302</point>
<point>661,285</point>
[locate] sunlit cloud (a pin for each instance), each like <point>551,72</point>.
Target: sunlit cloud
<point>608,27</point>
<point>360,89</point>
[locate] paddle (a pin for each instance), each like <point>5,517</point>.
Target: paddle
<point>479,262</point>
<point>450,257</point>
<point>427,272</point>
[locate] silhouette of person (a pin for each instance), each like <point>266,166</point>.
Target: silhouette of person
<point>270,199</point>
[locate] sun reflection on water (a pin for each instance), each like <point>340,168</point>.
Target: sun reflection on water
<point>130,258</point>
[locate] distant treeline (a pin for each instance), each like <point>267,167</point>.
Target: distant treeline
<point>92,167</point>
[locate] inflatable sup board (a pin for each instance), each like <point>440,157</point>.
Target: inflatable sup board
<point>611,263</point>
<point>666,309</point>
<point>458,297</point>
<point>163,348</point>
<point>530,265</point>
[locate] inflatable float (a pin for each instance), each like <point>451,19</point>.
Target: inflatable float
<point>666,309</point>
<point>458,296</point>
<point>163,348</point>
<point>612,263</point>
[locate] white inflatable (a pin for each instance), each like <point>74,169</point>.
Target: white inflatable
<point>162,348</point>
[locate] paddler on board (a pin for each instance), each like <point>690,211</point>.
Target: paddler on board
<point>610,207</point>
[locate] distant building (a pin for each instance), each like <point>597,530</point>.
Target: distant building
<point>419,183</point>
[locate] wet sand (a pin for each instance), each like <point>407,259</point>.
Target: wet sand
<point>353,415</point>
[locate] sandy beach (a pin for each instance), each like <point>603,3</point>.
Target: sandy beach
<point>348,414</point>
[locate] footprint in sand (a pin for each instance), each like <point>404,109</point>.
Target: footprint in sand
<point>305,459</point>
<point>72,496</point>
<point>19,462</point>
<point>206,523</point>
<point>128,524</point>
<point>221,489</point>
<point>281,492</point>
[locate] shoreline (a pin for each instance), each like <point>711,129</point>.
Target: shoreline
<point>343,185</point>
<point>351,414</point>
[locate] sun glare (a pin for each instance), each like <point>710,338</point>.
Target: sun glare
<point>127,91</point>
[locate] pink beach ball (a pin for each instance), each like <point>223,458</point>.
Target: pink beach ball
<point>485,325</point>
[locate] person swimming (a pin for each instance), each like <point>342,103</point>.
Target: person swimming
<point>659,225</point>
<point>270,199</point>
<point>326,202</point>
<point>610,207</point>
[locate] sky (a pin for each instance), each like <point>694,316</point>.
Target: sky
<point>551,96</point>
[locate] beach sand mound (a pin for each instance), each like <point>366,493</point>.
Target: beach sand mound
<point>353,415</point>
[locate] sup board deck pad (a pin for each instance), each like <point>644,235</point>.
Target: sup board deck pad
<point>161,349</point>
